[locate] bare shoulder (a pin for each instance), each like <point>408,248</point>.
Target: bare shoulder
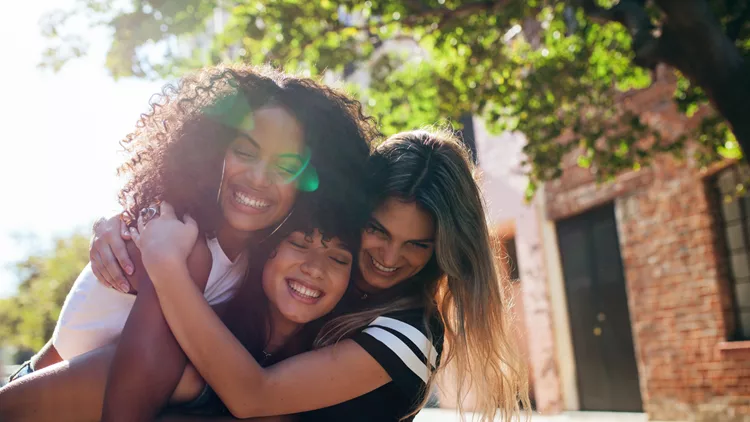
<point>199,262</point>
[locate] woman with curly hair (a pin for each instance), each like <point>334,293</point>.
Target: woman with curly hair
<point>232,148</point>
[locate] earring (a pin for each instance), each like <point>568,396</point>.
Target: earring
<point>221,181</point>
<point>279,226</point>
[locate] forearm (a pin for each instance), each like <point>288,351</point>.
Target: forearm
<point>214,351</point>
<point>247,389</point>
<point>147,366</point>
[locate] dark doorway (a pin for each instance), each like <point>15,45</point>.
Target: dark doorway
<point>598,310</point>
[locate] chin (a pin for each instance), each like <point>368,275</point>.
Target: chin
<point>247,226</point>
<point>298,319</point>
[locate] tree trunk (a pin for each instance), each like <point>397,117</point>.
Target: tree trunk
<point>693,41</point>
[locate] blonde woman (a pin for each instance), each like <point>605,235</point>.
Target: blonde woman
<point>426,277</point>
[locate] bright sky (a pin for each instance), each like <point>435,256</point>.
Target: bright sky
<point>59,132</point>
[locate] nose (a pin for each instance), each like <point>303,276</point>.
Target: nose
<point>390,255</point>
<point>313,265</point>
<point>258,175</point>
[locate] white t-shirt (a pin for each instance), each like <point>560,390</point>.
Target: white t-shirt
<point>94,314</point>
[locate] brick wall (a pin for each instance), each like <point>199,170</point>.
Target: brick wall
<point>677,297</point>
<point>676,280</point>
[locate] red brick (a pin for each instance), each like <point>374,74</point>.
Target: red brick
<point>673,266</point>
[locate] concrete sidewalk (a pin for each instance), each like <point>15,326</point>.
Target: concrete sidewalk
<point>445,415</point>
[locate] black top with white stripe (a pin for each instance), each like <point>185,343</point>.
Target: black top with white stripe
<point>398,341</point>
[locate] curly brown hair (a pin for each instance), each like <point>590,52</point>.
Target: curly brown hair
<point>178,147</point>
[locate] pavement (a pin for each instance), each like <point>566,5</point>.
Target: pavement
<point>445,415</point>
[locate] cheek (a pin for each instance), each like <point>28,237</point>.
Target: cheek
<point>273,274</point>
<point>287,194</point>
<point>269,275</point>
<point>340,281</point>
<point>232,167</point>
<point>337,288</point>
<point>369,241</point>
<point>419,259</point>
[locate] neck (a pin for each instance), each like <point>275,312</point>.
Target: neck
<point>365,291</point>
<point>360,291</point>
<point>232,241</point>
<point>283,330</point>
<point>362,287</point>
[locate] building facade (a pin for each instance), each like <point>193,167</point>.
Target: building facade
<point>635,294</point>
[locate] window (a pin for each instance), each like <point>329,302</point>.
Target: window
<point>468,134</point>
<point>735,224</point>
<point>509,245</point>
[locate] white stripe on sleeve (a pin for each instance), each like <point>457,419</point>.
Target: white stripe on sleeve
<point>416,336</point>
<point>401,350</point>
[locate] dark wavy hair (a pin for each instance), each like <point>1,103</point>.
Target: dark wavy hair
<point>177,154</point>
<point>178,147</point>
<point>247,313</point>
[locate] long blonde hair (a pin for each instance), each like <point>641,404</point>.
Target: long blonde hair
<point>461,281</point>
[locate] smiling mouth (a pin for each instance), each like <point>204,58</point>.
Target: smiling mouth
<point>303,292</point>
<point>243,198</point>
<point>381,267</point>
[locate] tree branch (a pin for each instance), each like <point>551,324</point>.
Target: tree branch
<point>633,16</point>
<point>710,60</point>
<point>735,26</point>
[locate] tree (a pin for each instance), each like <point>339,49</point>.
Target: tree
<point>548,68</point>
<point>28,318</point>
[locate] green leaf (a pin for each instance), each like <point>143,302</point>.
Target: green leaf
<point>525,66</point>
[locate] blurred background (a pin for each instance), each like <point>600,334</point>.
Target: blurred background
<point>609,135</point>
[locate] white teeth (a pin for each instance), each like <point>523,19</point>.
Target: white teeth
<point>304,291</point>
<point>381,267</point>
<point>250,201</point>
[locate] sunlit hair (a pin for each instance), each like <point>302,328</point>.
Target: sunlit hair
<point>460,282</point>
<point>177,149</point>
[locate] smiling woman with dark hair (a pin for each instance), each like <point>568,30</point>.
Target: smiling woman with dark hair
<point>235,148</point>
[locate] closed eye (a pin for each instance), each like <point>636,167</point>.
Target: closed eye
<point>340,261</point>
<point>243,154</point>
<point>298,244</point>
<point>421,245</point>
<point>287,170</point>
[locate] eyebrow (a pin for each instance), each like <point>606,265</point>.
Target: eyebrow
<point>255,143</point>
<point>249,138</point>
<point>375,222</point>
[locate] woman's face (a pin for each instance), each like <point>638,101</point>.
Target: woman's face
<point>307,276</point>
<point>257,189</point>
<point>397,243</point>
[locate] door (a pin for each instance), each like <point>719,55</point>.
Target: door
<point>598,310</point>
